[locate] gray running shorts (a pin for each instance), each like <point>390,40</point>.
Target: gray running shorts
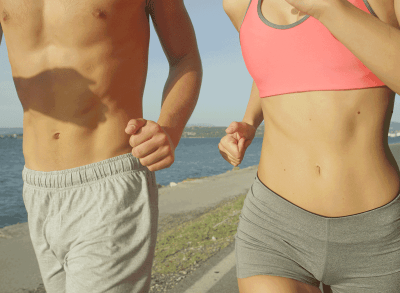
<point>93,228</point>
<point>353,254</point>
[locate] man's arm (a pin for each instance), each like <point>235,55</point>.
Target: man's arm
<point>175,31</point>
<point>154,143</point>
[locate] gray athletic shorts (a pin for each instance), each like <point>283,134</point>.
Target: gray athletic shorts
<point>353,254</point>
<point>94,227</point>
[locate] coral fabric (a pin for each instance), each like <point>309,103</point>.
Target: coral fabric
<point>305,57</point>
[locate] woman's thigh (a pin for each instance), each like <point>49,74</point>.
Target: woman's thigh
<point>273,284</point>
<point>276,238</point>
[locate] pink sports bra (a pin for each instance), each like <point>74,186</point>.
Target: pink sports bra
<point>299,57</point>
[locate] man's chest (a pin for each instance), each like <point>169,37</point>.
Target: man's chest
<point>22,11</point>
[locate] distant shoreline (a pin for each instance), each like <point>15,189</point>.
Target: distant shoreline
<point>9,136</point>
<point>191,131</point>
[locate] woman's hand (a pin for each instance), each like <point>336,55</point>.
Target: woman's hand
<point>234,144</point>
<point>315,8</point>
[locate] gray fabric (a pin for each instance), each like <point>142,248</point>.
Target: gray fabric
<point>94,227</point>
<point>369,8</point>
<point>278,26</point>
<point>245,14</point>
<point>353,254</point>
<point>287,26</point>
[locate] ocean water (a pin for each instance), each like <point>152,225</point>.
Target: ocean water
<point>194,157</point>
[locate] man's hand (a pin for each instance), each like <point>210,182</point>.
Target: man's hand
<point>233,145</point>
<point>150,144</point>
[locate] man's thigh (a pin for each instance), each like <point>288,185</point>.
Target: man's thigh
<point>116,253</point>
<point>97,234</point>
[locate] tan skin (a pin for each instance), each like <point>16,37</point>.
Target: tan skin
<point>330,146</point>
<point>80,69</point>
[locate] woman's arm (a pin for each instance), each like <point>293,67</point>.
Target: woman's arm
<point>236,10</point>
<point>254,115</point>
<point>251,120</point>
<point>374,42</point>
<point>240,134</point>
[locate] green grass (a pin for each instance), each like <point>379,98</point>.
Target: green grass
<point>193,241</point>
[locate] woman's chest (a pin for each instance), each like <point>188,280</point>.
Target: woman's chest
<point>280,12</point>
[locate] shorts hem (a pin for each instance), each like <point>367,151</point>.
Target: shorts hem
<point>243,276</point>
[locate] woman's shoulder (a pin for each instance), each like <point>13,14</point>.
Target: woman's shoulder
<point>385,10</point>
<point>236,10</point>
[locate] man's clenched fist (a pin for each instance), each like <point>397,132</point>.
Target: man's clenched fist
<point>150,144</point>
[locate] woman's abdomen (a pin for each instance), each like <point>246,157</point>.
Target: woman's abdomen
<point>327,152</point>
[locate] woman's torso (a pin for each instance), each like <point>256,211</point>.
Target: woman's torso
<point>326,151</point>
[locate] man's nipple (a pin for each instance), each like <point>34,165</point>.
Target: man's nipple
<point>99,13</point>
<point>5,16</point>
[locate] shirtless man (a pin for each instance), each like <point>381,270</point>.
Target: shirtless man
<point>79,69</point>
<point>325,206</point>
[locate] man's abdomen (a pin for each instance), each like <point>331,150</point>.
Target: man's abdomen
<point>52,145</point>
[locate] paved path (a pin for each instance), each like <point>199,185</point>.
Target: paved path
<point>19,271</point>
<point>216,275</point>
<point>206,192</point>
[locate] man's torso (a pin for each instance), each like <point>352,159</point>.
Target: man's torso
<point>79,69</point>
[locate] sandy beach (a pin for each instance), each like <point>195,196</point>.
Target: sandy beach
<point>19,271</point>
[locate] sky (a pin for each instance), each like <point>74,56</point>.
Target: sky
<point>226,83</point>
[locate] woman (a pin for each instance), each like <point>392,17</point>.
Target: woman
<point>325,206</point>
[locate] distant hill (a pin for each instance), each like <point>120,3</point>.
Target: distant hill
<point>15,130</point>
<point>201,131</point>
<point>196,130</point>
<point>394,126</point>
<point>200,125</point>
